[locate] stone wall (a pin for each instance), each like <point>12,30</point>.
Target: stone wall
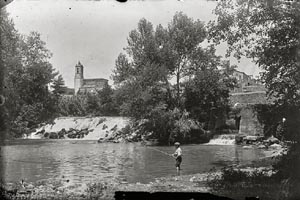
<point>250,98</point>
<point>249,124</point>
<point>245,102</point>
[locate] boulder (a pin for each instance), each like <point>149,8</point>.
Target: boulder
<point>71,130</point>
<point>104,126</point>
<point>100,140</point>
<point>62,133</point>
<point>85,132</point>
<point>262,146</point>
<point>275,146</point>
<point>46,134</point>
<point>71,135</point>
<point>250,139</point>
<point>114,128</point>
<point>273,140</point>
<point>239,138</point>
<point>53,135</point>
<point>247,147</point>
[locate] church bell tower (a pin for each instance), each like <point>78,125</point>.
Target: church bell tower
<point>78,79</point>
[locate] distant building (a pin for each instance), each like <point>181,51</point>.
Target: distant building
<point>246,83</point>
<point>82,85</point>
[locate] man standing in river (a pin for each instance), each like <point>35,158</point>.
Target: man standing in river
<point>178,156</point>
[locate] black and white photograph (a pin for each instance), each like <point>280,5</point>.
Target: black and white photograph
<point>172,99</point>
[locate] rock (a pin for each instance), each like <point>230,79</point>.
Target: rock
<point>46,135</point>
<point>247,147</point>
<point>53,135</point>
<point>239,138</point>
<point>192,179</point>
<point>104,126</point>
<point>251,138</point>
<point>114,128</point>
<point>273,140</point>
<point>71,130</point>
<point>22,192</point>
<point>30,186</point>
<point>61,133</point>
<point>85,132</point>
<point>134,134</point>
<point>12,191</point>
<point>276,146</point>
<point>262,146</point>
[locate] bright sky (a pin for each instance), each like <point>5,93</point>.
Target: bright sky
<point>95,32</point>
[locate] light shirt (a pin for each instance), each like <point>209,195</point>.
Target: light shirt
<point>178,152</point>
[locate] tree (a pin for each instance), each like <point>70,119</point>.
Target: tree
<point>207,94</point>
<point>10,63</point>
<point>58,86</point>
<point>184,38</point>
<point>268,32</point>
<point>108,105</point>
<point>161,54</point>
<point>154,59</point>
<point>28,75</point>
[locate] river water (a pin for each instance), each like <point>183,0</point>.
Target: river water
<point>82,161</point>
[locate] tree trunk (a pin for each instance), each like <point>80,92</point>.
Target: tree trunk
<point>178,87</point>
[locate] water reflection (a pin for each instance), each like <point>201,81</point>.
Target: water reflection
<point>86,161</point>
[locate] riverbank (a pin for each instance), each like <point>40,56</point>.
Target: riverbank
<point>105,190</point>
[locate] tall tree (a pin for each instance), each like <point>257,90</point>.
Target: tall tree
<point>184,38</point>
<point>267,31</point>
<point>150,75</point>
<point>58,86</point>
<point>27,80</point>
<point>157,56</point>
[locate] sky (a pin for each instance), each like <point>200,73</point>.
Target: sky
<point>95,32</point>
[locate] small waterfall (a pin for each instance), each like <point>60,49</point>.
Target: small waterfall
<point>224,139</point>
<point>99,127</point>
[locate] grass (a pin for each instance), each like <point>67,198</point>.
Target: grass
<point>238,184</point>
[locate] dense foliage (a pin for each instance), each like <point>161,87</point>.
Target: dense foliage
<point>269,32</point>
<point>238,184</point>
<point>101,103</point>
<point>31,97</point>
<point>166,76</point>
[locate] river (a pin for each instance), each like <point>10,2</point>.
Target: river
<point>82,161</point>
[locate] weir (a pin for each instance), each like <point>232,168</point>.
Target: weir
<point>224,139</point>
<point>97,127</point>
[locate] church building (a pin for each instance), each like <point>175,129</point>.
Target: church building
<point>82,85</point>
